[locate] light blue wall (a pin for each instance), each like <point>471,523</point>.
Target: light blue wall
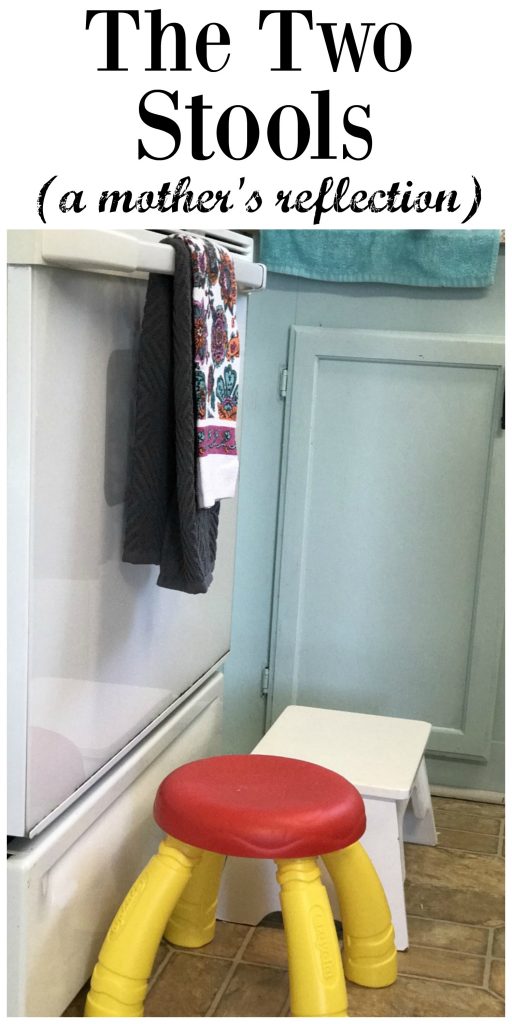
<point>287,301</point>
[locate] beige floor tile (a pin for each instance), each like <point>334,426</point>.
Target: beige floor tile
<point>453,885</point>
<point>267,946</point>
<point>473,842</point>
<point>468,815</point>
<point>226,942</point>
<point>454,869</point>
<point>446,935</point>
<point>254,992</point>
<point>419,997</point>
<point>442,964</point>
<point>454,905</point>
<point>498,948</point>
<point>497,979</point>
<point>186,986</point>
<point>480,807</point>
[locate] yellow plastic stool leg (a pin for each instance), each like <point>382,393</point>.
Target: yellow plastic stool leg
<point>119,980</point>
<point>369,953</point>
<point>193,919</point>
<point>317,984</point>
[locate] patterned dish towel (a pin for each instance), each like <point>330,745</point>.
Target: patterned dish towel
<point>216,369</point>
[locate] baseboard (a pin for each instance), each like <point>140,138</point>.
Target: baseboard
<point>481,795</point>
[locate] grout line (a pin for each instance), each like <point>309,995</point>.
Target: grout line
<point>263,963</point>
<point>501,839</point>
<point>451,826</point>
<point>493,991</point>
<point>165,961</point>
<point>222,990</point>
<point>442,949</point>
<point>445,981</point>
<point>285,1009</point>
<point>444,920</point>
<point>228,959</point>
<point>445,845</point>
<point>488,958</point>
<point>463,850</point>
<point>412,945</point>
<point>476,853</point>
<point>471,832</point>
<point>198,953</point>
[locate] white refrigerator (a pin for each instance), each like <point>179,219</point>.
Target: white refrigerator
<point>112,681</point>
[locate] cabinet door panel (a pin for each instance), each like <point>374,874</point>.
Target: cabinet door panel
<point>389,596</point>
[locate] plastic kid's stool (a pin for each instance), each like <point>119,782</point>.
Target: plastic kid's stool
<point>266,807</point>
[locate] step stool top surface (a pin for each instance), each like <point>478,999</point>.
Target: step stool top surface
<point>378,754</point>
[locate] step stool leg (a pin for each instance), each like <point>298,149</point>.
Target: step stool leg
<point>120,978</point>
<point>419,824</point>
<point>383,843</point>
<point>369,953</point>
<point>317,983</point>
<point>193,920</point>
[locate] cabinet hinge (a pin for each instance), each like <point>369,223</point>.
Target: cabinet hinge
<point>264,682</point>
<point>283,383</point>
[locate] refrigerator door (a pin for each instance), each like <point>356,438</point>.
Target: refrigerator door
<point>98,652</point>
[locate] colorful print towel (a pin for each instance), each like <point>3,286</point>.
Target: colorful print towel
<point>216,369</point>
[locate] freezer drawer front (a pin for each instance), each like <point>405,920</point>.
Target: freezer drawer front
<point>65,886</point>
<point>99,651</point>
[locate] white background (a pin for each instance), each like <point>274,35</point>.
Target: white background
<point>445,117</point>
<point>437,122</point>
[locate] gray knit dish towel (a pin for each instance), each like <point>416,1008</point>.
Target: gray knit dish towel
<point>163,524</point>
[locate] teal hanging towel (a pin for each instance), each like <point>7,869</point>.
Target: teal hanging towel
<point>431,259</point>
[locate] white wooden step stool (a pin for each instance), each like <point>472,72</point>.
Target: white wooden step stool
<point>382,757</point>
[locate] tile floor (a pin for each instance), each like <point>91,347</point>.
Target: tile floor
<point>454,966</point>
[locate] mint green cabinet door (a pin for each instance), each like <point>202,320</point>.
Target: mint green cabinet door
<point>389,588</point>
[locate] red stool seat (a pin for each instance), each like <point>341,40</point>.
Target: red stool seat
<point>257,805</point>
